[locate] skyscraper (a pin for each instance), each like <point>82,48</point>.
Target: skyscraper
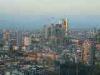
<point>45,32</point>
<point>6,36</point>
<point>65,25</point>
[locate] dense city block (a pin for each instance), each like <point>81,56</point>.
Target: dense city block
<point>55,49</point>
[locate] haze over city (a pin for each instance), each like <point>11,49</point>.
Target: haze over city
<point>49,37</point>
<point>36,13</point>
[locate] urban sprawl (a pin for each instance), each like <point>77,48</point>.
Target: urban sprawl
<point>56,49</point>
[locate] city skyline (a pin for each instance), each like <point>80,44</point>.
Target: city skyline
<point>36,13</point>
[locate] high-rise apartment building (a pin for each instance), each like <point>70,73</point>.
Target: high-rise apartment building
<point>88,52</point>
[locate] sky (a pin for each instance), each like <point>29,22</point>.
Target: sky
<point>33,14</point>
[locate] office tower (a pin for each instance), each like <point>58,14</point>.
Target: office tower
<point>6,36</point>
<point>49,32</point>
<point>26,41</point>
<point>6,39</point>
<point>19,38</point>
<point>97,37</point>
<point>65,26</point>
<point>1,40</point>
<point>1,37</point>
<point>13,38</point>
<point>45,32</point>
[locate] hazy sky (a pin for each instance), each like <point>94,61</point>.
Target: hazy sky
<point>36,13</point>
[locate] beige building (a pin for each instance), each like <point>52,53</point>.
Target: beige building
<point>26,41</point>
<point>86,51</point>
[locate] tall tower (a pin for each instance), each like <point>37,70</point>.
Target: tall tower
<point>65,26</point>
<point>6,36</point>
<point>45,32</point>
